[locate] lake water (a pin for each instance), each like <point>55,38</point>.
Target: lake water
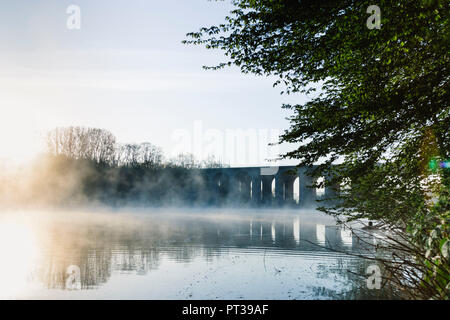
<point>173,254</point>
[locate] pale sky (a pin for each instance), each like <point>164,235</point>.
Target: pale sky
<point>127,71</point>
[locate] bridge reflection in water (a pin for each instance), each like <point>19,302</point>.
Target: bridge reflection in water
<point>254,186</point>
<point>140,245</point>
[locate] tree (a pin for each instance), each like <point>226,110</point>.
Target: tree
<point>150,155</point>
<point>184,160</point>
<point>212,162</point>
<point>93,144</point>
<point>127,154</point>
<point>144,154</point>
<point>382,103</point>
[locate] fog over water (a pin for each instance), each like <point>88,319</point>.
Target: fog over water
<point>180,254</point>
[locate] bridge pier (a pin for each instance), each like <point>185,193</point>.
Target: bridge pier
<point>289,190</point>
<point>284,188</point>
<point>244,186</point>
<point>256,190</point>
<point>307,194</point>
<point>250,187</point>
<point>267,189</point>
<point>211,191</point>
<point>279,189</point>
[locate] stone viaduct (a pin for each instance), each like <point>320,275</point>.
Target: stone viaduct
<point>253,186</point>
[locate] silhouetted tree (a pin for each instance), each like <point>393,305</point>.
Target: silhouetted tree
<point>93,144</point>
<point>144,154</point>
<point>212,162</point>
<point>150,155</point>
<point>184,160</point>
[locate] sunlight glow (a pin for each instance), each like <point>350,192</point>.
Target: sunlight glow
<point>19,251</point>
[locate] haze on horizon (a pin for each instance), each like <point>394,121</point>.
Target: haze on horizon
<point>127,71</point>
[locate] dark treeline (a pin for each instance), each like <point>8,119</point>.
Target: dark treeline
<point>87,166</point>
<point>86,181</point>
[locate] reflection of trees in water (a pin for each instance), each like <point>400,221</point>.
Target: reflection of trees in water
<point>97,248</point>
<point>351,268</point>
<point>94,267</point>
<point>137,244</point>
<point>350,273</point>
<point>131,260</point>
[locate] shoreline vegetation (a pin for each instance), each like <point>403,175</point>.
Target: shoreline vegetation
<point>379,79</point>
<point>85,166</point>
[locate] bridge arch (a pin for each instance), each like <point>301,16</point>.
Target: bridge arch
<point>267,195</point>
<point>243,190</point>
<point>253,185</point>
<point>296,190</point>
<point>221,182</point>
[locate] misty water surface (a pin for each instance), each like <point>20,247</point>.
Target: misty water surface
<point>173,254</point>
